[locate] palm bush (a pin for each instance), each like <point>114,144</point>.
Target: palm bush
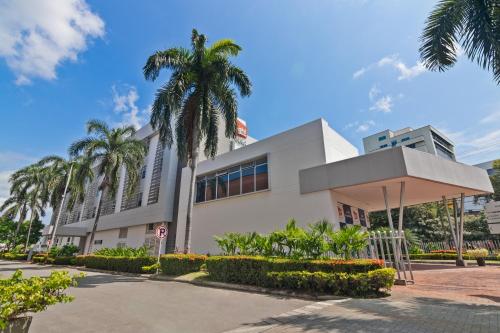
<point>315,242</point>
<point>123,252</point>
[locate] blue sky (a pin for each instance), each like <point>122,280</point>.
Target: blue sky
<point>352,62</point>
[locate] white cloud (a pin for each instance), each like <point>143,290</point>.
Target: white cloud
<point>383,104</point>
<point>124,100</point>
<point>4,185</point>
<point>374,92</point>
<point>491,118</point>
<point>38,35</point>
<point>10,161</point>
<point>360,126</point>
<point>405,72</point>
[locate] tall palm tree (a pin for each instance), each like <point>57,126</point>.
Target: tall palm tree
<point>37,203</point>
<point>199,92</point>
<point>473,24</point>
<point>108,150</point>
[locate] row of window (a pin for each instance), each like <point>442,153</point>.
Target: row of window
<point>393,142</point>
<point>240,179</point>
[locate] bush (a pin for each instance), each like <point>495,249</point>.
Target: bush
<point>118,264</point>
<point>180,264</point>
<point>68,250</point>
<point>123,252</point>
<point>359,284</point>
<point>14,256</point>
<point>253,270</point>
<point>478,253</point>
<point>61,260</point>
<point>19,296</point>
<point>80,260</point>
<point>40,258</point>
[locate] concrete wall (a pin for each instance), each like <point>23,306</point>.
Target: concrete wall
<point>288,152</point>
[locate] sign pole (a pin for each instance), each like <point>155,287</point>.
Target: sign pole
<point>158,259</point>
<point>160,233</point>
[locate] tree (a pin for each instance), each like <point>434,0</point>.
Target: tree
<point>473,24</point>
<point>16,205</point>
<point>495,180</point>
<point>109,149</point>
<point>8,230</point>
<point>199,91</point>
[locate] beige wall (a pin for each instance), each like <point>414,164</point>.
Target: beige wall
<point>288,152</point>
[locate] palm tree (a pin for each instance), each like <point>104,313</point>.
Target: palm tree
<point>37,205</point>
<point>108,150</point>
<point>198,92</point>
<point>473,24</point>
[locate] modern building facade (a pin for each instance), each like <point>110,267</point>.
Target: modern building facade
<point>307,173</point>
<point>476,206</point>
<point>427,139</point>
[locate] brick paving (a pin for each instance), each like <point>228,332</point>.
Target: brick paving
<point>470,285</point>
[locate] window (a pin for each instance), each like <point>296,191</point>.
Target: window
<point>210,190</point>
<point>68,240</point>
<point>234,181</point>
<point>143,172</point>
<point>405,139</point>
<point>394,142</point>
<point>150,228</point>
<point>222,186</point>
<point>248,178</point>
<point>240,179</point>
<point>139,200</point>
<point>98,242</point>
<point>123,233</point>
<point>383,146</point>
<point>412,146</point>
<point>382,138</point>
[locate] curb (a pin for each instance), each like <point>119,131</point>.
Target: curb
<point>248,288</point>
<point>451,263</point>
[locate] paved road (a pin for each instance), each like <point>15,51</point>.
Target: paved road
<point>115,303</point>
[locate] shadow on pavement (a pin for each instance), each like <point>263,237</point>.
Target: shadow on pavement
<point>92,281</point>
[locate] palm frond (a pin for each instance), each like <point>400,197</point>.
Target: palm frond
<point>174,58</point>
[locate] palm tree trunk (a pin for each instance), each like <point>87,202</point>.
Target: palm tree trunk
<point>96,221</point>
<point>22,216</point>
<point>29,232</point>
<point>194,167</point>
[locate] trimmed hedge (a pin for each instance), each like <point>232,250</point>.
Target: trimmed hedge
<point>61,260</point>
<point>443,256</point>
<point>40,258</point>
<point>180,264</point>
<point>359,284</point>
<point>253,270</point>
<point>118,264</point>
<point>14,256</point>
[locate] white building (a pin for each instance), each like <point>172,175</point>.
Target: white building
<point>307,173</point>
<point>473,206</point>
<point>427,139</point>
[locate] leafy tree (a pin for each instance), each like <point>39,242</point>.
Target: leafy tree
<point>16,205</point>
<point>109,149</point>
<point>473,24</point>
<point>8,230</point>
<point>347,241</point>
<point>198,93</point>
<point>476,227</point>
<point>495,180</point>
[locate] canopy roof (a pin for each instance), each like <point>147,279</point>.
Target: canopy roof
<point>427,178</point>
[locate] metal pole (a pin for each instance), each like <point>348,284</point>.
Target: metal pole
<point>445,204</point>
<point>460,259</point>
<point>60,208</point>
<point>391,225</point>
<point>158,260</point>
<point>400,222</point>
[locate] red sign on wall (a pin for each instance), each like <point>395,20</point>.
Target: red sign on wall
<point>241,128</point>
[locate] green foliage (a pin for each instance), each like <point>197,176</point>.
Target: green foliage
<point>476,227</point>
<point>67,250</point>
<point>8,230</point>
<point>347,242</point>
<point>151,268</point>
<point>123,252</point>
<point>253,269</point>
<point>471,25</point>
<point>14,256</point>
<point>478,253</point>
<point>40,258</point>
<point>115,263</point>
<point>295,242</point>
<point>19,295</point>
<point>70,260</point>
<point>180,264</point>
<point>344,284</point>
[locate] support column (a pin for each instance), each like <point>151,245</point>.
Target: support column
<point>391,225</point>
<point>445,204</point>
<point>460,259</point>
<point>401,207</point>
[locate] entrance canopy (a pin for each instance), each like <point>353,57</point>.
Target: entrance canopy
<point>427,178</point>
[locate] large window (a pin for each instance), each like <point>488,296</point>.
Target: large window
<point>240,179</point>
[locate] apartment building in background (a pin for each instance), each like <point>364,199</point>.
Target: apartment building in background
<point>427,139</point>
<point>476,206</point>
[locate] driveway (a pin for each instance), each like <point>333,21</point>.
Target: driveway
<point>117,303</point>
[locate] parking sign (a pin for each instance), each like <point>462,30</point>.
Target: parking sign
<point>161,232</point>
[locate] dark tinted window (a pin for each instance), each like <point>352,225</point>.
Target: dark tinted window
<point>261,179</point>
<point>234,183</point>
<point>222,186</point>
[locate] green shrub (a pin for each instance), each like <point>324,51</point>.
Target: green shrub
<point>68,250</point>
<point>15,256</point>
<point>253,270</point>
<point>123,252</point>
<point>61,260</point>
<point>19,296</point>
<point>478,253</point>
<point>359,284</point>
<point>444,256</point>
<point>180,264</point>
<point>40,258</point>
<point>80,260</point>
<point>118,264</point>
